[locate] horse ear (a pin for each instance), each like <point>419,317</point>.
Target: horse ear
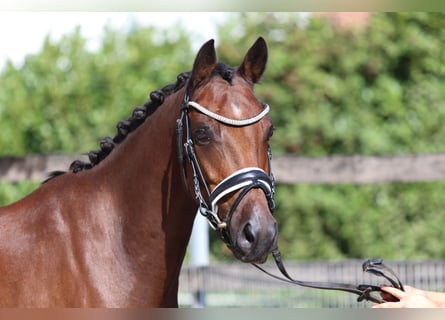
<point>204,64</point>
<point>254,62</point>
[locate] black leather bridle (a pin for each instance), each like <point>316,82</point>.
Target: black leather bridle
<point>245,180</point>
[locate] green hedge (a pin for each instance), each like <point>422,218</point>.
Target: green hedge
<point>376,91</point>
<point>379,90</point>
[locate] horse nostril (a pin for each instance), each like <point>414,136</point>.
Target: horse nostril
<point>248,233</point>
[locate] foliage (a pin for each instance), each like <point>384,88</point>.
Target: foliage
<point>377,90</point>
<point>10,192</point>
<point>396,221</point>
<point>65,98</point>
<point>370,91</point>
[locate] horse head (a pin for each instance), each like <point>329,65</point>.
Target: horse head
<point>227,145</point>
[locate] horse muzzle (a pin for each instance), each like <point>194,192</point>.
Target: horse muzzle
<point>253,233</point>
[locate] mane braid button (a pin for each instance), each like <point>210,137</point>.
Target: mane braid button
<point>157,96</point>
<point>78,165</point>
<point>107,144</point>
<point>93,156</point>
<point>123,127</point>
<point>140,112</point>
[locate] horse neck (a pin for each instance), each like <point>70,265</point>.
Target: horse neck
<point>144,174</point>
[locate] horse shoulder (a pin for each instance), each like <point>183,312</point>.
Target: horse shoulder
<point>52,246</point>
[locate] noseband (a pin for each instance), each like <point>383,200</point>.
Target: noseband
<point>242,180</point>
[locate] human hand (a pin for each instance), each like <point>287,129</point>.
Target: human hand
<point>410,298</point>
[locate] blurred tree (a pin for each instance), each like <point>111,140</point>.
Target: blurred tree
<point>65,98</point>
<point>376,90</point>
<point>364,91</point>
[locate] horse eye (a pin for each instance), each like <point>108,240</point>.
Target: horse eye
<point>270,134</point>
<point>202,136</point>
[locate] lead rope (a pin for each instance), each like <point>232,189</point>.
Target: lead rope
<point>364,291</point>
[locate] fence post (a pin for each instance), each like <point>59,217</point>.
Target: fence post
<point>199,256</point>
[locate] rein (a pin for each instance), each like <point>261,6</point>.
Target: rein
<point>374,266</point>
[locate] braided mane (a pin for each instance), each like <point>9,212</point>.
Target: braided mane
<point>140,113</point>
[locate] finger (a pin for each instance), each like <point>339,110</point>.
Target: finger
<point>393,291</point>
<point>388,297</point>
<point>386,305</point>
<point>408,288</point>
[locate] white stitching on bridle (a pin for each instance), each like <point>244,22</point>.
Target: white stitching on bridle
<point>214,207</point>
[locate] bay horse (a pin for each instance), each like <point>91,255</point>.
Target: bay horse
<point>112,231</point>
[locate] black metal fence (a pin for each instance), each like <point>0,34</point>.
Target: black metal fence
<point>241,285</point>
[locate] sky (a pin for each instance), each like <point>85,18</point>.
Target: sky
<point>22,33</point>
